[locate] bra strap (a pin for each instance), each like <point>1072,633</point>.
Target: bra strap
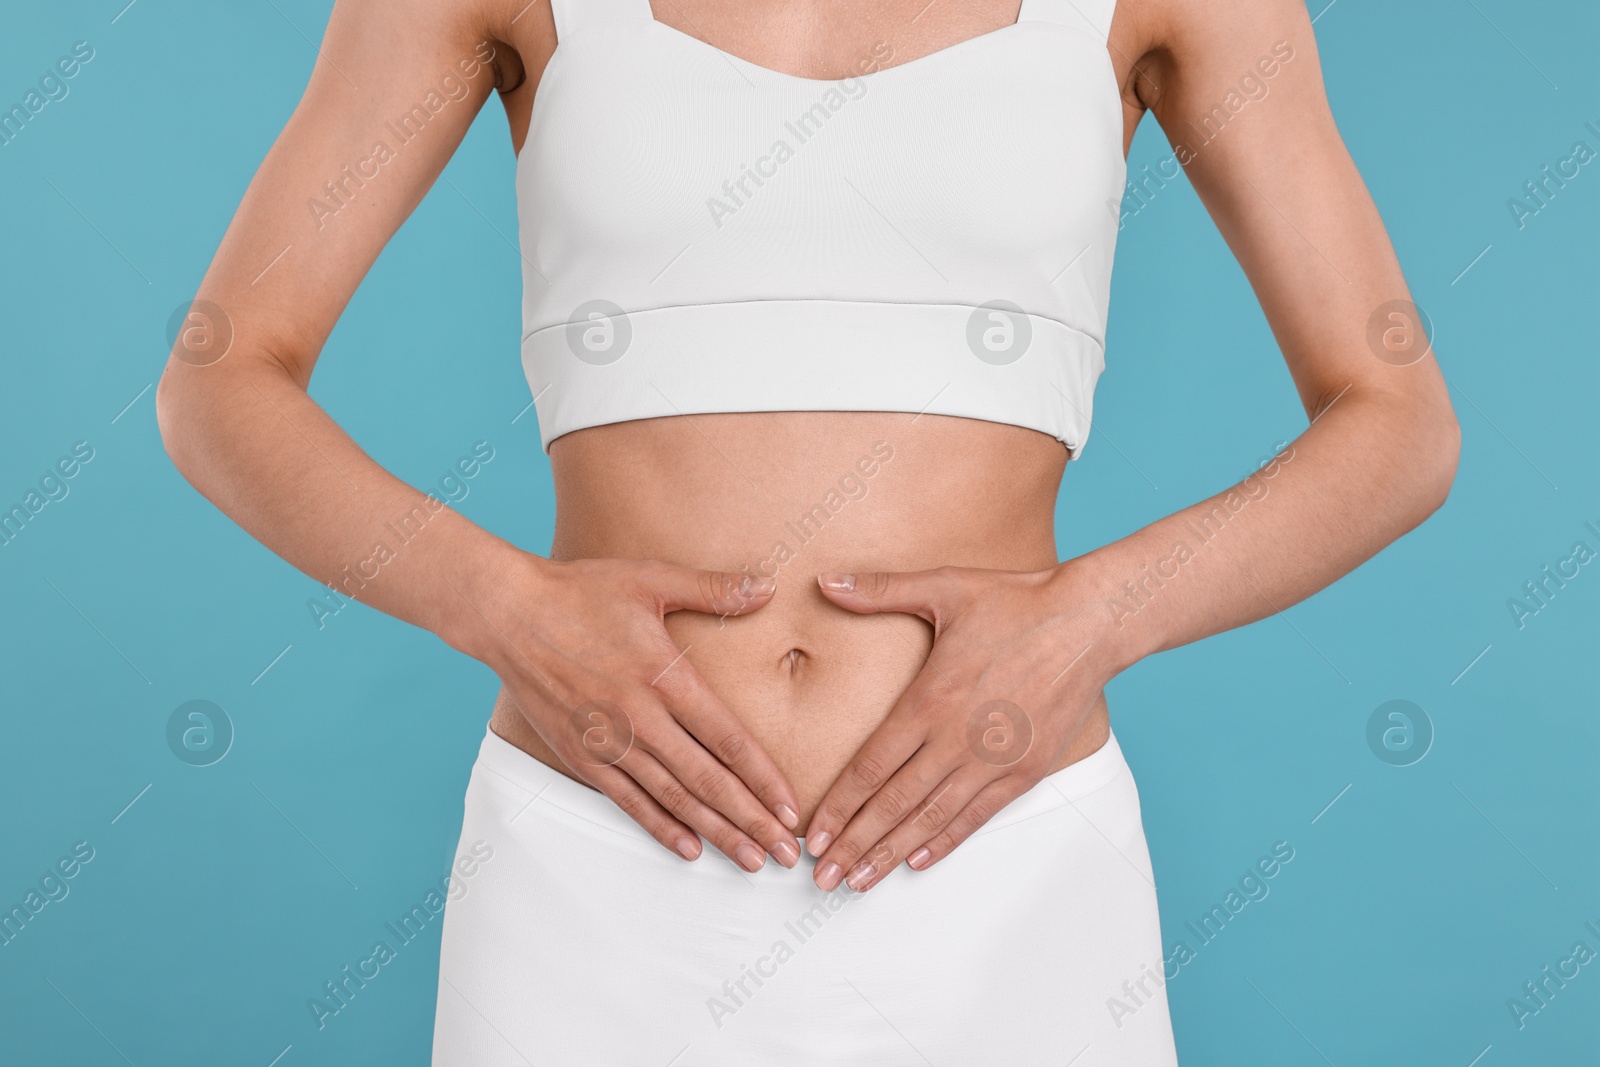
<point>1091,15</point>
<point>574,16</point>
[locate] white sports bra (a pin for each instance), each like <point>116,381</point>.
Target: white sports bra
<point>702,234</point>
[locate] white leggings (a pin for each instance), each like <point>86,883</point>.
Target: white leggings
<point>583,941</point>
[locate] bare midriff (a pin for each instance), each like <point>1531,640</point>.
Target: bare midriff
<point>793,494</point>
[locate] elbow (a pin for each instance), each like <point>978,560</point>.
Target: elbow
<point>1439,457</point>
<point>171,421</point>
<point>203,410</point>
<point>187,404</point>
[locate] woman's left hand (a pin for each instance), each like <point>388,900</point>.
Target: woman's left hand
<point>1018,663</point>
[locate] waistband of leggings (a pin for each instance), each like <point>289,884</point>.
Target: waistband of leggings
<point>507,761</point>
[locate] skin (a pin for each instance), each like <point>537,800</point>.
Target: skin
<point>855,698</point>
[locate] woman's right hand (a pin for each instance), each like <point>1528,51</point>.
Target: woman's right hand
<point>584,651</point>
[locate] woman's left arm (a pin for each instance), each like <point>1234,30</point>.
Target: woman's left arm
<point>1020,659</point>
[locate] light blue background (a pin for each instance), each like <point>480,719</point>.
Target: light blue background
<point>1415,905</point>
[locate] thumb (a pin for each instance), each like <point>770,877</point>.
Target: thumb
<point>911,592</point>
<point>712,592</point>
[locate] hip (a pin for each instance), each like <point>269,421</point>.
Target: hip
<point>585,941</point>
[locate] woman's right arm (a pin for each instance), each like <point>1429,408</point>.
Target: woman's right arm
<point>240,425</point>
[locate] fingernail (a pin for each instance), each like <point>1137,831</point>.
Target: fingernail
<point>839,583</point>
<point>787,816</point>
<point>817,844</point>
<point>749,586</point>
<point>787,854</point>
<point>861,876</point>
<point>828,876</point>
<point>688,848</point>
<point>918,858</point>
<point>749,857</point>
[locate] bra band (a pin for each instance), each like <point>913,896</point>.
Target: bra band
<point>573,16</point>
<point>1091,15</point>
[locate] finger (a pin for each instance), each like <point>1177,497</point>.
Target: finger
<point>883,754</point>
<point>974,798</point>
<point>901,796</point>
<point>912,592</point>
<point>722,734</point>
<point>711,592</point>
<point>969,820</point>
<point>641,807</point>
<point>719,789</point>
<point>681,802</point>
<point>928,817</point>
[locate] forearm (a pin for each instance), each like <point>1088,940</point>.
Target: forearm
<point>251,440</point>
<point>1369,469</point>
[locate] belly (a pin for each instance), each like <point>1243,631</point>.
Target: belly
<point>793,494</point>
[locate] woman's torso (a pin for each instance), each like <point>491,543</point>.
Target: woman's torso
<point>797,493</point>
<point>802,492</point>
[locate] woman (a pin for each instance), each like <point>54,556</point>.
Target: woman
<point>814,307</point>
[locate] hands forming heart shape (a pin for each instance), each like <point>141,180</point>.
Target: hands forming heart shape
<point>1009,685</point>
